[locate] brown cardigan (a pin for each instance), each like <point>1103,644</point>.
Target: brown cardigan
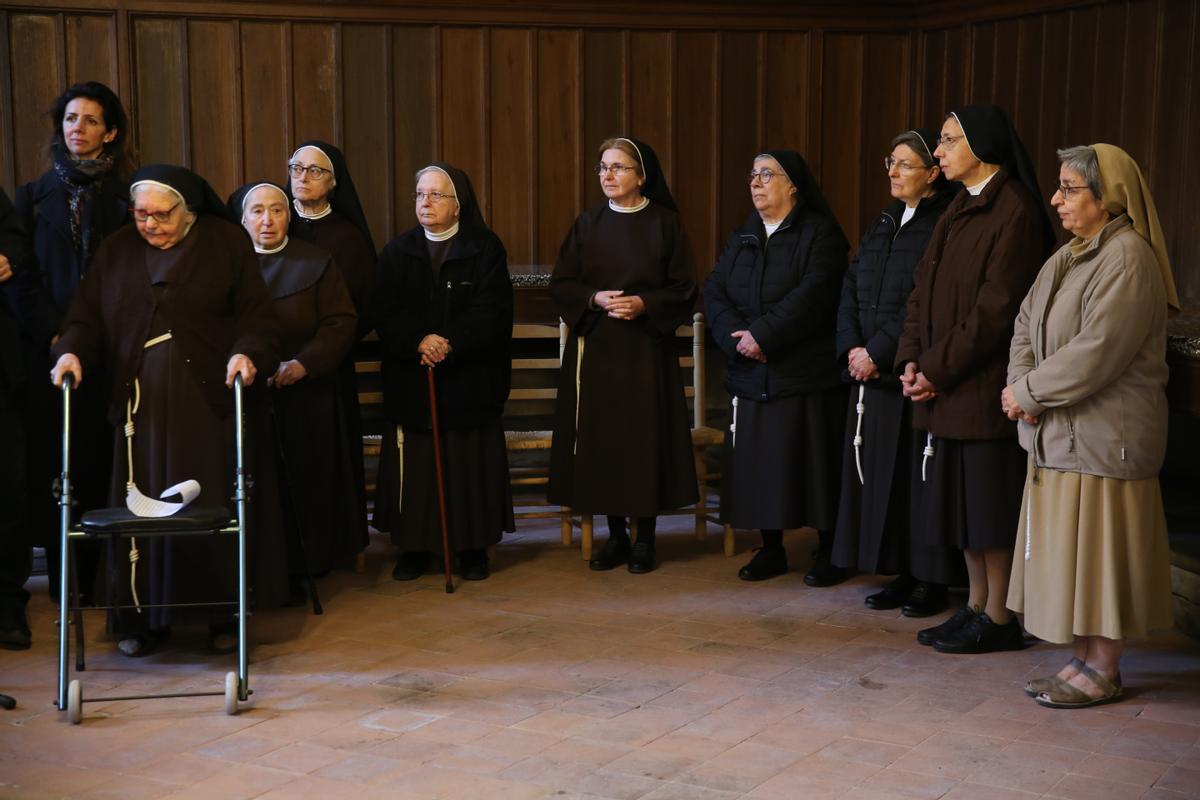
<point>981,260</point>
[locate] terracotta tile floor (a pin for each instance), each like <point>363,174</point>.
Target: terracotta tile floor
<point>550,681</point>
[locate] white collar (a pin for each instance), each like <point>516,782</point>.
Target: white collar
<point>325,212</point>
<point>629,209</point>
<point>263,252</point>
<point>978,188</point>
<point>444,235</point>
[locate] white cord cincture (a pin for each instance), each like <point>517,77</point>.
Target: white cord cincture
<point>927,453</point>
<point>733,423</point>
<point>859,407</point>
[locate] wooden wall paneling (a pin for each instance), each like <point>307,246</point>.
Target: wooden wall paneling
<point>932,77</point>
<point>91,49</point>
<point>740,137</point>
<point>1054,102</point>
<point>160,91</point>
<point>981,65</point>
<point>885,114</point>
<point>216,104</point>
<point>512,145</point>
<point>652,70</point>
<point>1110,95</point>
<point>417,115</point>
<point>1186,252</point>
<point>1007,56</point>
<point>7,160</point>
<point>465,107</point>
<point>605,109</point>
<point>268,137</point>
<point>1139,73</point>
<point>841,115</point>
<point>788,100</point>
<point>315,98</point>
<point>367,114</point>
<point>695,146</point>
<point>1030,70</point>
<point>1078,60</point>
<point>34,49</point>
<point>1174,198</point>
<point>559,122</point>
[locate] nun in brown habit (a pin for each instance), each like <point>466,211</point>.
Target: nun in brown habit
<point>317,329</point>
<point>623,282</point>
<point>172,309</point>
<point>445,303</point>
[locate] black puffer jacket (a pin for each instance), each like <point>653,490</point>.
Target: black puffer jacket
<point>470,302</point>
<point>784,290</point>
<point>879,279</point>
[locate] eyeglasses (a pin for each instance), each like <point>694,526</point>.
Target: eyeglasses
<point>765,176</point>
<point>1067,191</point>
<point>314,172</point>
<point>949,142</point>
<point>434,197</point>
<point>161,217</point>
<point>903,166</point>
<point>617,169</point>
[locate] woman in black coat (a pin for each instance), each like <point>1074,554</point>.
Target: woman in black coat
<point>67,212</point>
<point>873,518</point>
<point>771,301</point>
<point>444,302</point>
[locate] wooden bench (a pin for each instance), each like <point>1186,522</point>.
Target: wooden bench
<point>528,414</point>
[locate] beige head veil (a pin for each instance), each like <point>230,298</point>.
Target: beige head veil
<point>1125,191</point>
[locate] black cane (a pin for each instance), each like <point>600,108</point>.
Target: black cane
<point>441,486</point>
<point>309,583</point>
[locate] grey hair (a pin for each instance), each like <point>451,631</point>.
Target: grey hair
<point>1082,160</point>
<point>917,145</point>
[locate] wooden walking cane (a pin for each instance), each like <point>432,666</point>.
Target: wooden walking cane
<point>437,461</point>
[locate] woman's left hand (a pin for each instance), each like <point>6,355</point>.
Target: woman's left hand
<point>240,365</point>
<point>434,349</point>
<point>748,347</point>
<point>288,373</point>
<point>1012,409</point>
<point>626,307</point>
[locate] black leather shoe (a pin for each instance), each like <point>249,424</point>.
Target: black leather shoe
<point>957,620</point>
<point>15,635</point>
<point>614,553</point>
<point>411,565</point>
<point>981,635</point>
<point>824,573</point>
<point>474,565</point>
<point>641,558</point>
<point>893,595</point>
<point>925,600</point>
<point>767,563</point>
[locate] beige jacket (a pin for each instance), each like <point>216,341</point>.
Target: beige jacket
<point>1088,358</point>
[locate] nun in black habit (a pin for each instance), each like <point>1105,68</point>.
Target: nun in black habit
<point>327,213</point>
<point>445,303</point>
<point>317,329</point>
<point>172,309</point>
<point>623,282</point>
<point>771,300</point>
<point>873,516</point>
<point>952,360</point>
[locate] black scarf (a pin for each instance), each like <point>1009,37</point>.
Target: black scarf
<point>81,178</point>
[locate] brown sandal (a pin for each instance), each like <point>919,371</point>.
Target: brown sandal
<point>1036,686</point>
<point>1068,696</point>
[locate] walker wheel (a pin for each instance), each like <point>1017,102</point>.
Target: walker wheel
<point>231,693</point>
<point>74,702</point>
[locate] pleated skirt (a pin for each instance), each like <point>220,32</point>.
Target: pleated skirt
<point>782,466</point>
<point>1091,557</point>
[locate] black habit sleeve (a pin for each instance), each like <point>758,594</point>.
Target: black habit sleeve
<point>335,331</point>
